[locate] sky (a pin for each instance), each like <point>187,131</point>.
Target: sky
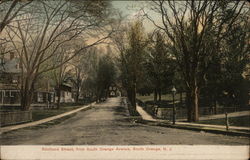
<point>131,9</point>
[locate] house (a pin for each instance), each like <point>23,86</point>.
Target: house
<point>9,70</point>
<point>10,74</point>
<point>66,93</point>
<point>9,77</point>
<point>113,91</point>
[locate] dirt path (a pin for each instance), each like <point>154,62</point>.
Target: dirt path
<point>108,123</point>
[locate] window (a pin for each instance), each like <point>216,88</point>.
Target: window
<point>51,97</point>
<point>6,93</point>
<point>12,93</point>
<point>39,97</point>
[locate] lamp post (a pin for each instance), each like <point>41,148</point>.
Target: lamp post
<point>173,92</point>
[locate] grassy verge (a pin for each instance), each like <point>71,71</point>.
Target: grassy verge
<point>45,113</point>
<point>51,123</point>
<point>243,121</point>
<point>164,97</point>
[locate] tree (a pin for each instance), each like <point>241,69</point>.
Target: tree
<point>89,83</point>
<point>47,27</point>
<point>195,30</point>
<point>235,57</point>
<point>81,68</point>
<point>132,61</point>
<point>61,74</point>
<point>106,75</point>
<point>13,10</point>
<point>223,82</point>
<point>159,65</point>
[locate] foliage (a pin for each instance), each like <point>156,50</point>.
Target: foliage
<point>196,30</point>
<point>44,29</point>
<point>106,75</point>
<point>224,81</point>
<point>132,61</point>
<point>159,65</point>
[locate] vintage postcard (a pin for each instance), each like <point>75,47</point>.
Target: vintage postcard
<point>124,80</point>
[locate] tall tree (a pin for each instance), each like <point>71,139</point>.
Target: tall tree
<point>159,65</point>
<point>195,29</point>
<point>132,61</point>
<point>10,10</point>
<point>61,74</point>
<point>48,26</point>
<point>80,70</point>
<point>235,57</point>
<point>106,75</point>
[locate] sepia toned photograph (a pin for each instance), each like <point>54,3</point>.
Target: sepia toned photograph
<point>113,79</point>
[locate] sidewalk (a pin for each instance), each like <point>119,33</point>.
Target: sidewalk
<point>233,130</point>
<point>15,127</point>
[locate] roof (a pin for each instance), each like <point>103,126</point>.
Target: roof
<point>8,86</point>
<point>10,66</point>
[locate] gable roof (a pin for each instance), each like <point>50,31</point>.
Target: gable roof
<point>10,66</point>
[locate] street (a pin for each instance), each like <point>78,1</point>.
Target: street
<point>108,123</point>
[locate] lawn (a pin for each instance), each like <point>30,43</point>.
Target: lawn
<point>243,121</point>
<point>45,113</point>
<point>166,100</point>
<point>166,97</point>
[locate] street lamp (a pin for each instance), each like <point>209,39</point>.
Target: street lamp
<point>173,92</point>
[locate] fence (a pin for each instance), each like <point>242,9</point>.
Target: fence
<point>8,118</point>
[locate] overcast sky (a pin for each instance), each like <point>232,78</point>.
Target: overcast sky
<point>131,9</point>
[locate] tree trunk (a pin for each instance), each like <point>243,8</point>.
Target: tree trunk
<point>159,92</point>
<point>26,94</point>
<point>192,102</point>
<point>77,95</point>
<point>188,105</point>
<point>196,104</point>
<point>58,97</point>
<point>155,96</point>
<point>181,100</point>
<point>215,106</point>
<point>133,102</point>
<point>26,100</point>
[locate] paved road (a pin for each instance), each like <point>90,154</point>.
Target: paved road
<point>108,123</point>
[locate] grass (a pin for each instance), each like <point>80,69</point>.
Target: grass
<point>166,100</point>
<point>243,121</point>
<point>151,97</point>
<point>51,123</point>
<point>164,97</point>
<point>45,113</point>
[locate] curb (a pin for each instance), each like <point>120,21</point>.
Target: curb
<point>205,129</point>
<point>34,123</point>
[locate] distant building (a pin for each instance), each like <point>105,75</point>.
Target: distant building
<point>66,93</point>
<point>9,70</point>
<point>113,91</point>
